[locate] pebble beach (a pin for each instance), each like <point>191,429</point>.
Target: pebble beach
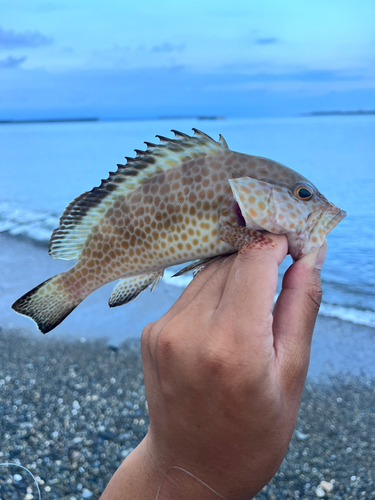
<point>72,411</point>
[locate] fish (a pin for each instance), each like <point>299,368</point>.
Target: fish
<point>187,198</point>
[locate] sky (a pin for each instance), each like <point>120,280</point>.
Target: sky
<point>146,59</point>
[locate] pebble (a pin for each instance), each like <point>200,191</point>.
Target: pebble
<point>326,486</point>
<point>87,493</point>
<point>320,492</point>
<point>300,435</point>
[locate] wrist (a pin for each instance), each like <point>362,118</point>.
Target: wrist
<point>178,483</point>
<point>177,479</point>
<point>170,479</point>
<point>144,475</point>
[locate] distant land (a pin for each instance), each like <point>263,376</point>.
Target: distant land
<point>50,120</point>
<point>186,117</point>
<point>173,117</point>
<point>91,119</point>
<point>329,113</point>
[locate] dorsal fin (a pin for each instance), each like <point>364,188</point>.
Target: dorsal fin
<point>86,211</point>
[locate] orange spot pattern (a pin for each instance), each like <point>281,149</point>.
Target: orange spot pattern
<point>176,216</point>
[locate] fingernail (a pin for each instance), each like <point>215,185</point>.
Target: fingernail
<point>316,257</point>
<point>321,257</point>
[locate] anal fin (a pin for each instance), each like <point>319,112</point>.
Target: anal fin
<point>128,289</point>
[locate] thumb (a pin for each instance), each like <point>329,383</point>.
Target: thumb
<point>295,314</point>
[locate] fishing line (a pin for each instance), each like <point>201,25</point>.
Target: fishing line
<point>190,474</point>
<point>27,470</point>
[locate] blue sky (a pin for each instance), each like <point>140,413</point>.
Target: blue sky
<point>112,58</point>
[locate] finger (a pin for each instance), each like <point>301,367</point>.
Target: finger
<point>192,290</point>
<point>250,289</point>
<point>295,314</point>
<point>151,333</point>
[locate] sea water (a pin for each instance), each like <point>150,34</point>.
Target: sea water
<point>44,166</point>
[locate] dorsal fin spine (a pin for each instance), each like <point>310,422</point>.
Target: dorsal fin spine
<point>85,212</point>
<point>164,139</point>
<point>223,141</point>
<point>180,134</point>
<point>202,134</point>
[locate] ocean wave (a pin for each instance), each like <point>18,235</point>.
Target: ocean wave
<point>357,316</point>
<point>36,225</point>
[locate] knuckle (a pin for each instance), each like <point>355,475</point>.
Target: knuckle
<point>165,345</point>
<point>169,342</point>
<point>146,337</point>
<point>225,356</point>
<point>314,291</point>
<point>218,361</point>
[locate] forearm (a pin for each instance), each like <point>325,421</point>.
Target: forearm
<point>140,477</point>
<point>133,480</point>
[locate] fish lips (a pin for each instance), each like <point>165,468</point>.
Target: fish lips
<point>336,219</point>
<point>304,243</point>
<point>327,221</point>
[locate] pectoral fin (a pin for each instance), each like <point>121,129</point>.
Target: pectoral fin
<point>243,238</point>
<point>195,265</point>
<point>128,289</point>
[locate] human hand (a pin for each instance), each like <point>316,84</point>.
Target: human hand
<point>224,377</point>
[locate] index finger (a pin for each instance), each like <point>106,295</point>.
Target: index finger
<point>191,291</point>
<point>251,285</point>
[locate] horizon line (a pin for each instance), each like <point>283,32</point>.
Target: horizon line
<point>176,117</point>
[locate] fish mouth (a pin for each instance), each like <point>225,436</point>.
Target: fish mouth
<point>335,220</point>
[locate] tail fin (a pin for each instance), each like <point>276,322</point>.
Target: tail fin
<point>47,304</point>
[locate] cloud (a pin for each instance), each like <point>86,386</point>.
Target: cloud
<point>129,94</point>
<point>12,62</point>
<point>168,47</point>
<point>9,39</point>
<point>267,40</point>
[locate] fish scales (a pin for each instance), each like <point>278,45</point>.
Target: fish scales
<point>186,198</point>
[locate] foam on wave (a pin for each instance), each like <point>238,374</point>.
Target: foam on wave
<point>36,225</point>
<point>365,317</point>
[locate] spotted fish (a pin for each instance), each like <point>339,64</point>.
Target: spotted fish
<point>185,198</point>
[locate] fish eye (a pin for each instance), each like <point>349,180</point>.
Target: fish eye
<point>303,192</point>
